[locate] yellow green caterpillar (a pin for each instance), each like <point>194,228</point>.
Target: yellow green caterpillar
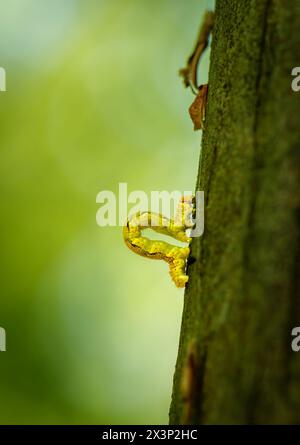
<point>161,250</point>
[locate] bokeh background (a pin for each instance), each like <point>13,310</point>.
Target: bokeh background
<point>93,99</point>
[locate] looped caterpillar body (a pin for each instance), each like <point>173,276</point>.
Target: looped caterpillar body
<point>175,256</point>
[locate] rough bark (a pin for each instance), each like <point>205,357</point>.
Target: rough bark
<point>235,363</point>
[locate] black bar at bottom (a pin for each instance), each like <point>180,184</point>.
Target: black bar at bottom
<point>137,433</point>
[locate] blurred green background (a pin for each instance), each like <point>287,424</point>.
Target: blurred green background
<point>93,99</point>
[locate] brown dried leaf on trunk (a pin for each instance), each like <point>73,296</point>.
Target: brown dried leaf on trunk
<point>189,73</point>
<point>197,109</point>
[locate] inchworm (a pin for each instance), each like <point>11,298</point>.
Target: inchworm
<point>161,250</point>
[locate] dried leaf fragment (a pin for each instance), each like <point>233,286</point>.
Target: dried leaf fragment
<point>189,73</point>
<point>197,109</point>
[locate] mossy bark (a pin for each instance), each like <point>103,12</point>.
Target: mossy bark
<point>235,363</point>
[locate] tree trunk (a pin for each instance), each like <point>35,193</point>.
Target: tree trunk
<point>235,363</point>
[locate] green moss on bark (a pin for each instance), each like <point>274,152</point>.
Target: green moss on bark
<point>243,296</point>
